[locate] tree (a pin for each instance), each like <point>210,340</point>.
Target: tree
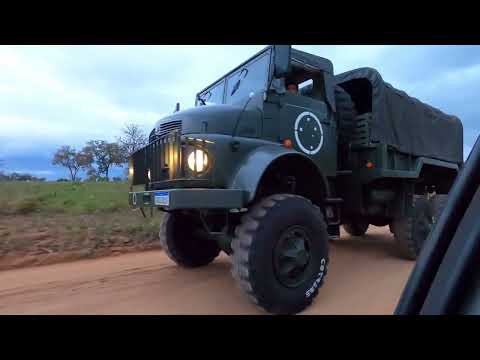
<point>133,139</point>
<point>74,161</point>
<point>14,176</point>
<point>105,155</point>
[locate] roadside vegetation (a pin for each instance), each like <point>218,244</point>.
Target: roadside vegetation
<point>62,197</point>
<point>43,221</point>
<point>53,221</point>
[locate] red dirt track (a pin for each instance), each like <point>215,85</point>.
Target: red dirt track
<point>365,277</point>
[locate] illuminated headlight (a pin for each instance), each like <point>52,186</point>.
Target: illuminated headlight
<point>197,161</point>
<point>149,175</point>
<point>130,170</point>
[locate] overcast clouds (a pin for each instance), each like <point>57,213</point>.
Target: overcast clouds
<point>55,95</point>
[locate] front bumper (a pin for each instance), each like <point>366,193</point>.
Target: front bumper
<point>176,199</point>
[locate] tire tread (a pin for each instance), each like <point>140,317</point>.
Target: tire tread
<point>241,245</point>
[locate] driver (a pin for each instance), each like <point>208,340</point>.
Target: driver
<point>292,88</point>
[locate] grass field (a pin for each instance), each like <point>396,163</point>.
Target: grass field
<point>62,197</point>
<point>39,219</point>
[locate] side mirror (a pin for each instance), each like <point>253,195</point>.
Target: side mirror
<point>281,60</point>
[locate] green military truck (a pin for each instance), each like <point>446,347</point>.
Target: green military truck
<point>268,176</point>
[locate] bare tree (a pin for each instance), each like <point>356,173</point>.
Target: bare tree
<point>105,155</point>
<point>74,161</point>
<point>133,138</point>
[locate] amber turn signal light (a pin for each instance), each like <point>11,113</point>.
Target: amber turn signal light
<point>288,143</point>
<point>370,165</point>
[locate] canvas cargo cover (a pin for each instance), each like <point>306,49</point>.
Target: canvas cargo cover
<point>404,122</point>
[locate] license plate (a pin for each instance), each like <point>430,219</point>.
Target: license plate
<point>162,198</point>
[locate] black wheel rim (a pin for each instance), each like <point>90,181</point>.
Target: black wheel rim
<point>292,256</point>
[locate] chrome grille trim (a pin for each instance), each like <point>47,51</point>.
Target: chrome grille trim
<point>167,127</point>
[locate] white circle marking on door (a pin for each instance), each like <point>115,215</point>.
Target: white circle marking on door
<point>297,130</point>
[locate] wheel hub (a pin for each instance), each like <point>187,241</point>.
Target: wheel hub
<point>292,256</point>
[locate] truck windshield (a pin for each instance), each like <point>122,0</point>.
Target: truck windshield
<point>250,78</point>
<point>212,96</point>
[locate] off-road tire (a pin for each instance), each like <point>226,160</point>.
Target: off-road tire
<point>356,227</point>
<point>379,221</point>
<point>411,231</point>
<point>258,236</point>
<point>333,232</point>
<point>438,202</point>
<point>346,113</point>
<point>185,241</point>
<point>390,226</point>
<point>345,116</point>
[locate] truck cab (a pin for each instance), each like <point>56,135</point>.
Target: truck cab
<point>240,125</point>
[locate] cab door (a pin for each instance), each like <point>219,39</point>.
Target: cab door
<point>309,123</point>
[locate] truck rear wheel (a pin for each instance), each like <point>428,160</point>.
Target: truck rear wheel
<point>439,201</point>
<point>411,231</point>
<point>356,227</point>
<point>280,253</point>
<point>185,241</point>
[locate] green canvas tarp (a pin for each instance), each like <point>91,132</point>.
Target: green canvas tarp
<point>401,121</point>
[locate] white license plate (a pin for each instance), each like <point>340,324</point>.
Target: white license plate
<point>162,198</point>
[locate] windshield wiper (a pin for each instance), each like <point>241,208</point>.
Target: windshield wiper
<point>236,87</point>
<point>201,100</point>
<point>242,76</point>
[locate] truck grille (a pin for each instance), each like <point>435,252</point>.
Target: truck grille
<point>162,156</point>
<point>169,127</point>
<point>165,129</point>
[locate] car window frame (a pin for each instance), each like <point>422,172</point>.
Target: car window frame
<point>436,284</point>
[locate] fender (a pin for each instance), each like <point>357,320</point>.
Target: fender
<point>434,162</point>
<point>251,170</point>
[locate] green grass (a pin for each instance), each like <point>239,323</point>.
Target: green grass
<point>36,218</point>
<point>62,197</point>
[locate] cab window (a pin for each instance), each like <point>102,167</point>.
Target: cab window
<point>310,84</point>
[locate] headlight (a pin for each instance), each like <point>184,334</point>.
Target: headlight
<point>197,161</point>
<point>130,170</point>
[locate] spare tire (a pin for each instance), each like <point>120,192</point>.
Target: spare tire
<point>346,114</point>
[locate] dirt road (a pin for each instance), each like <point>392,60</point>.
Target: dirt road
<point>365,277</point>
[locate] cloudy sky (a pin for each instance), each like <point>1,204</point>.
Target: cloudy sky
<point>56,95</point>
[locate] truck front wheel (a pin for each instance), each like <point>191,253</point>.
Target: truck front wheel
<point>184,240</point>
<point>280,253</point>
<point>411,231</point>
